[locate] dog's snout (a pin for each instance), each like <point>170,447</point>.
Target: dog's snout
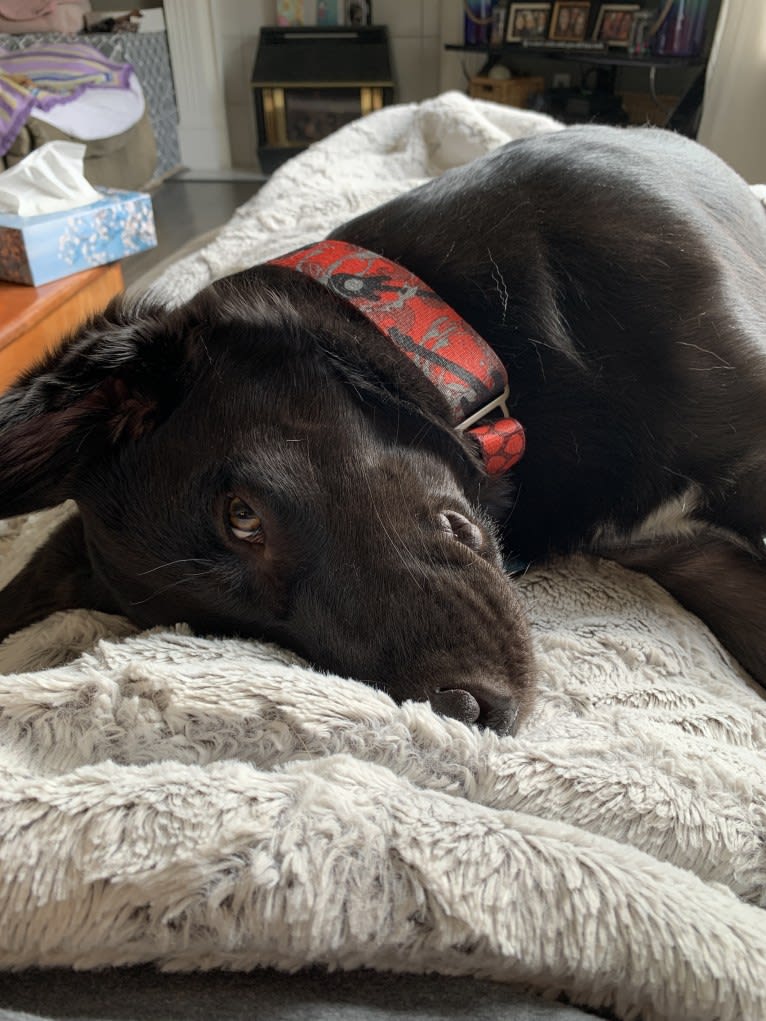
<point>462,529</point>
<point>498,712</point>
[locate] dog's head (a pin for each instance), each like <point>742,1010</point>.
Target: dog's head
<point>259,462</point>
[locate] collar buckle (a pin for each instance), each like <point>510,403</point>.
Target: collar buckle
<point>500,402</point>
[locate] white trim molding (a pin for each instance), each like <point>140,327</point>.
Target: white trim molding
<point>198,79</point>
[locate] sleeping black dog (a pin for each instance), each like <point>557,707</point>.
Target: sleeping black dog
<point>321,452</point>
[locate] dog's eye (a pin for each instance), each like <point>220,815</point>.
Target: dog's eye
<point>243,521</point>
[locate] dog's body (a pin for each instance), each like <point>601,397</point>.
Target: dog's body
<point>618,274</point>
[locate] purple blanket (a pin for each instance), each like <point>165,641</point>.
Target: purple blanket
<point>44,76</point>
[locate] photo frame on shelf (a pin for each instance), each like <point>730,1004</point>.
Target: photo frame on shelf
<point>528,21</point>
<point>614,25</point>
<point>324,13</point>
<point>290,12</point>
<point>569,21</point>
<point>358,12</point>
<point>330,12</point>
<point>497,29</point>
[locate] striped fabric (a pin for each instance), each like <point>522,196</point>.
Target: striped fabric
<point>46,75</point>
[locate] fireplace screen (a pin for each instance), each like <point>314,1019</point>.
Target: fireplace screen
<point>299,116</point>
<point>308,82</point>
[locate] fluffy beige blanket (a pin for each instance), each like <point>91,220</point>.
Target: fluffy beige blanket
<point>204,803</point>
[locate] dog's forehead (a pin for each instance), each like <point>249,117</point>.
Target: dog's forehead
<point>289,428</point>
<point>291,409</point>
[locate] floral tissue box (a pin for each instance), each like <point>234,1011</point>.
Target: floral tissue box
<point>37,249</point>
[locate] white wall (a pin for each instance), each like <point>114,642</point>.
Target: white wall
<point>732,115</point>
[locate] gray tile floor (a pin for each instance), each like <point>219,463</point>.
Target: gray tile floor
<point>184,210</point>
<point>143,994</point>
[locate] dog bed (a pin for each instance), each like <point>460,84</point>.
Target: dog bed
<point>203,803</point>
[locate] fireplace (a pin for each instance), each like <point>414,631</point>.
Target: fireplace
<point>308,82</point>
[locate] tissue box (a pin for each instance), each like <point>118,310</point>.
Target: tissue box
<point>37,249</point>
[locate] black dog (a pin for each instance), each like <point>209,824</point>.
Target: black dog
<point>265,461</point>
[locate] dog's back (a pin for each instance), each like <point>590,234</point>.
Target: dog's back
<point>620,276</point>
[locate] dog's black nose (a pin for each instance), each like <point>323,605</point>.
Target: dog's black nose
<point>497,712</point>
<point>460,528</point>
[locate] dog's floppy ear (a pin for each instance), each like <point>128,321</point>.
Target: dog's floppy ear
<point>111,381</point>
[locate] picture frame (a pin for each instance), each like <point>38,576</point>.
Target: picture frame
<point>330,12</point>
<point>358,12</point>
<point>569,21</point>
<point>290,12</point>
<point>614,25</point>
<point>527,21</point>
<point>497,29</point>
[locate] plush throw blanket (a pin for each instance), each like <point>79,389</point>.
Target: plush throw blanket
<point>204,803</point>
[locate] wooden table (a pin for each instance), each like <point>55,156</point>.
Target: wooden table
<point>34,319</point>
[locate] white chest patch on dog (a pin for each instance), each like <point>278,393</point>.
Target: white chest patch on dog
<point>673,519</point>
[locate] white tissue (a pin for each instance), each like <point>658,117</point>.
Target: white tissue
<point>49,180</point>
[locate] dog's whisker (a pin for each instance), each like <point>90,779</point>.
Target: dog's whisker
<point>172,563</point>
<point>704,350</point>
<point>173,584</point>
<point>501,286</point>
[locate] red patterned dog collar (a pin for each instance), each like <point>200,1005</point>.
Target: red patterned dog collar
<point>451,354</point>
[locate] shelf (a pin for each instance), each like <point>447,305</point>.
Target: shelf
<point>606,65</point>
<point>608,58</point>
